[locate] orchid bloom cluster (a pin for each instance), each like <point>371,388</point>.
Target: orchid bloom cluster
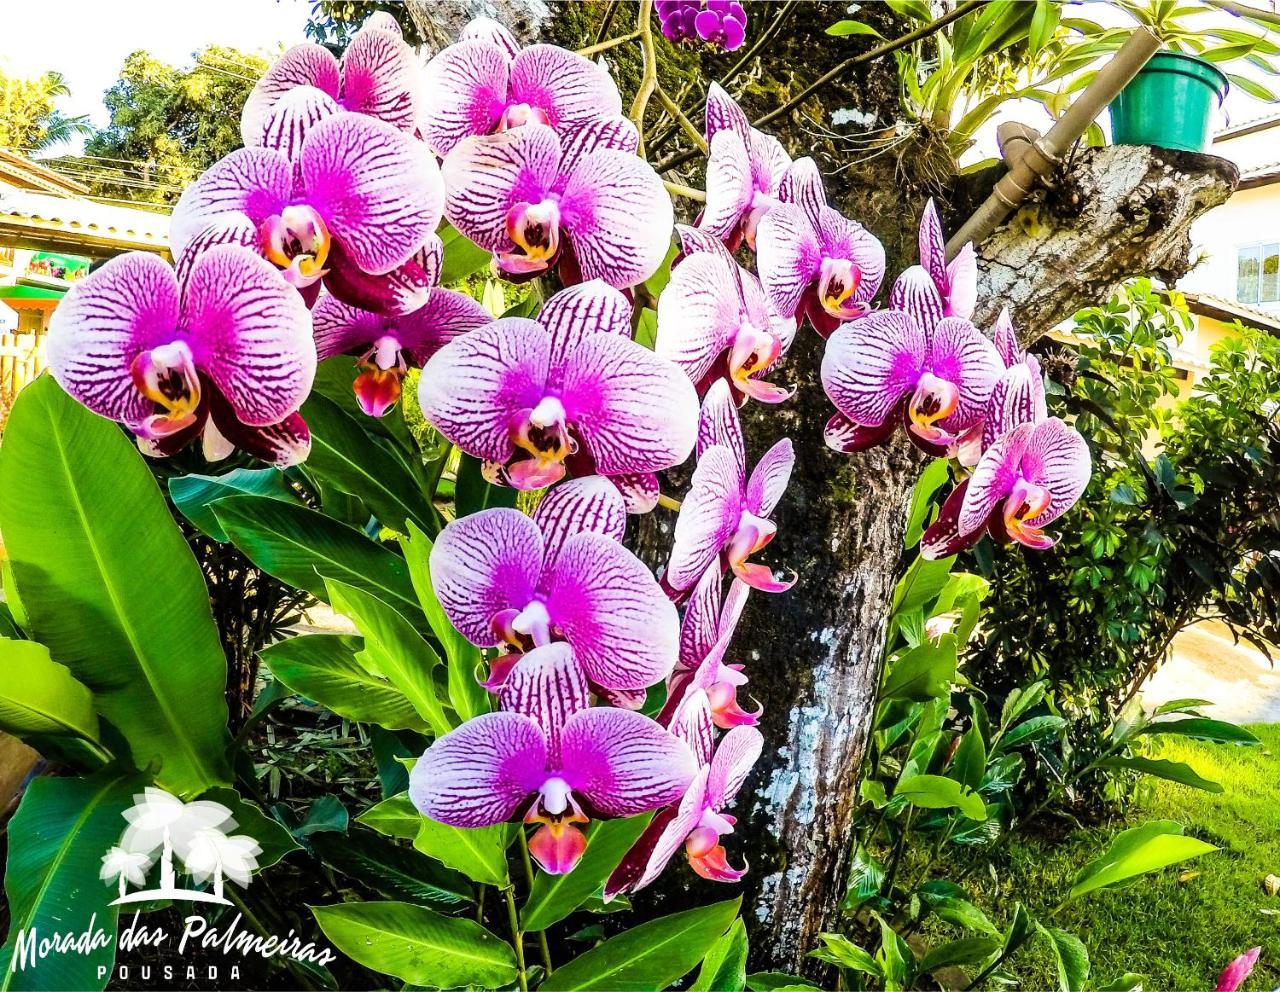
<point>321,237</point>
<point>719,23</point>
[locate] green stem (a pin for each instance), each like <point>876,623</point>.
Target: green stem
<point>648,81</point>
<point>528,873</point>
<point>517,936</point>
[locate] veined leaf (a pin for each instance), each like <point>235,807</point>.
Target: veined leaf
<point>771,981</point>
<point>842,29</point>
<point>392,870</point>
<point>56,842</point>
<point>395,817</point>
<point>1202,728</point>
<point>109,584</point>
<point>724,969</point>
<point>938,792</point>
<point>480,853</point>
<point>649,957</point>
<point>274,839</point>
<point>553,897</point>
<point>923,673</point>
<point>193,494</point>
<point>39,696</point>
<point>1137,851</point>
<point>966,950</point>
<point>323,668</point>
<point>839,950</point>
<point>418,945</point>
<point>462,257</point>
<point>1070,956</point>
<point>1172,771</point>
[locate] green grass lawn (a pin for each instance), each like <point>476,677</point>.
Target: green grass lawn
<point>1180,934</point>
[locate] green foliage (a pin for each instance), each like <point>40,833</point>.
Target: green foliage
<point>40,697</point>
<point>168,124</point>
<point>553,897</point>
<point>29,117</point>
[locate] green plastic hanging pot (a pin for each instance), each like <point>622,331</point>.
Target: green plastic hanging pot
<point>1169,103</point>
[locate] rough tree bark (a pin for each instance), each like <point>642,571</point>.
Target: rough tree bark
<point>814,654</point>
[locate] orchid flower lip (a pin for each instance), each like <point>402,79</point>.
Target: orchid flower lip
<point>297,241</point>
<point>934,400</point>
<point>518,114</point>
<point>167,376</point>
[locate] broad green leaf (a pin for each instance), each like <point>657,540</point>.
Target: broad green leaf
<point>462,257</point>
<point>1019,928</point>
<point>1137,851</point>
<point>393,870</point>
<point>303,547</point>
<point>1128,982</point>
<point>649,957</point>
<point>39,696</point>
<point>474,493</point>
<point>323,668</point>
<point>395,817</point>
<point>418,945</point>
<point>270,834</point>
<point>933,478</point>
<point>938,792</point>
<point>194,494</point>
<point>467,696</point>
<point>1202,728</point>
<point>56,842</point>
<point>553,897</point>
<point>343,453</point>
<point>969,763</point>
<point>335,378</point>
<point>480,853</point>
<point>842,29</point>
<point>895,958</point>
<point>1172,771</point>
<point>949,904</point>
<point>111,587</point>
<point>866,876</point>
<point>966,950</point>
<point>1070,956</point>
<point>839,950</point>
<point>724,969</point>
<point>924,580</point>
<point>1019,701</point>
<point>1031,731</point>
<point>394,650</point>
<point>773,981</point>
<point>923,673</point>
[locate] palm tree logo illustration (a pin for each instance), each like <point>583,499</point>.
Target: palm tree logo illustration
<point>197,833</point>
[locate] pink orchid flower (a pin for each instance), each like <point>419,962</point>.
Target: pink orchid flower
<point>937,288</point>
<point>376,77</point>
<point>745,170</point>
<point>562,575</point>
<point>812,261</point>
<point>705,632</point>
<point>359,201</point>
<point>227,358</point>
<point>715,322</point>
<point>551,759</point>
<point>1030,476</point>
<point>699,821</point>
<point>485,84</point>
<point>887,367</point>
<point>569,393</point>
<point>1237,971</point>
<point>584,201</point>
<point>387,347</point>
<point>725,517</point>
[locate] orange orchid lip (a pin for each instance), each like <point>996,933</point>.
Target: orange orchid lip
<point>297,241</point>
<point>934,400</point>
<point>167,377</point>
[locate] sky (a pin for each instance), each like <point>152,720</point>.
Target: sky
<point>88,40</point>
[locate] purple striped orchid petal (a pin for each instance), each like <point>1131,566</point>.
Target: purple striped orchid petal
<point>691,722</point>
<point>577,312</point>
<point>230,229</point>
<point>378,190</point>
<point>252,183</point>
<point>482,772</point>
<point>853,265</point>
<point>1057,460</point>
<point>770,477</point>
<point>566,88</point>
<point>1017,398</point>
<point>698,313</point>
<point>484,564</point>
<point>640,490</point>
<point>724,114</point>
<point>700,626</point>
<point>956,281</point>
<point>303,65</point>
<point>548,687</point>
<point>693,241</point>
<point>962,283</point>
<point>933,247</point>
<point>474,386</point>
<point>606,604</point>
<point>943,537</point>
<point>1005,338</point>
<point>708,518</point>
<point>914,293</point>
<point>634,410</point>
<point>737,753</point>
<point>591,505</point>
<point>801,186</point>
<point>963,356</point>
<point>121,311</point>
<point>994,478</point>
<point>250,332</point>
<point>379,77</point>
<point>287,124</point>
<point>624,763</point>
<point>660,842</point>
<point>381,20</point>
<point>729,186</point>
<point>769,164</point>
<point>464,92</point>
<point>843,435</point>
<point>718,422</point>
<point>869,365</point>
<point>401,291</point>
<point>283,445</point>
<point>487,29</point>
<point>788,255</point>
<point>616,133</point>
<point>619,216</point>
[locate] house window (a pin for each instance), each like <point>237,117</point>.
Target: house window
<point>1258,274</point>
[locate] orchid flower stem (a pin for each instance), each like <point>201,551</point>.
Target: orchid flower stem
<point>668,127</point>
<point>668,502</point>
<point>528,873</point>
<point>607,21</point>
<point>686,125</point>
<point>649,80</point>
<point>517,936</point>
<point>604,46</point>
<point>480,890</point>
<point>688,192</point>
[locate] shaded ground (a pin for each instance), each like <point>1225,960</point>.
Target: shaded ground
<point>1206,664</point>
